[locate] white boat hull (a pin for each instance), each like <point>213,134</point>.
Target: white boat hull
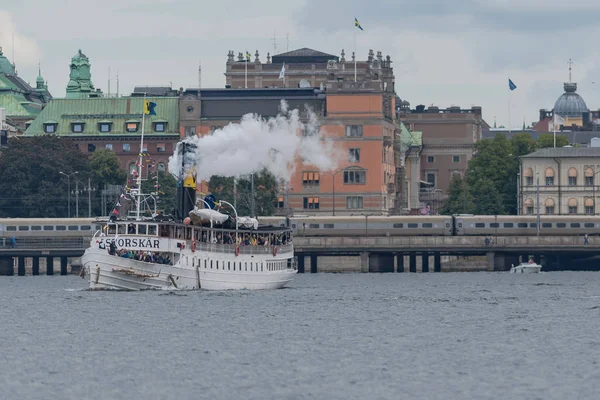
<point>105,271</point>
<point>526,269</point>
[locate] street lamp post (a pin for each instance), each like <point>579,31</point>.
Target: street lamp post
<point>68,190</point>
<point>333,189</point>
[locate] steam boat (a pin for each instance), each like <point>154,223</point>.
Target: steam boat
<point>205,249</point>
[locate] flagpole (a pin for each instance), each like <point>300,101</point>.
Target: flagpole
<point>554,130</point>
<point>354,56</point>
<point>139,178</point>
<point>246,71</point>
<point>509,90</point>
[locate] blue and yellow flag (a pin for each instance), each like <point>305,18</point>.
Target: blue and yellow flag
<point>248,56</point>
<point>357,24</point>
<point>149,107</point>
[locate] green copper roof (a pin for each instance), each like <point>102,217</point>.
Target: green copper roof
<point>5,66</point>
<point>408,138</point>
<point>17,105</point>
<point>92,111</point>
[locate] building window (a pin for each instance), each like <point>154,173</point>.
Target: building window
<point>77,127</point>
<point>430,159</point>
<point>132,126</point>
<point>278,203</point>
<point>132,167</point>
<point>355,177</point>
<point>126,147</point>
<point>311,203</point>
<point>354,130</point>
<point>310,130</point>
<point>572,209</point>
<point>589,181</point>
<point>145,148</point>
<point>354,155</point>
<point>108,146</point>
<point>354,202</point>
<point>549,181</point>
<point>160,126</point>
<point>161,167</point>
<point>530,210</point>
<point>50,128</point>
<point>572,181</point>
<point>550,210</point>
<point>190,130</point>
<point>91,147</point>
<point>104,127</point>
<point>589,210</point>
<point>455,159</point>
<point>310,178</point>
<point>161,148</point>
<point>529,180</point>
<point>431,178</point>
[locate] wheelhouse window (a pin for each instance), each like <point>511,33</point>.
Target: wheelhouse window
<point>352,177</point>
<point>77,127</point>
<point>50,127</point>
<point>354,130</point>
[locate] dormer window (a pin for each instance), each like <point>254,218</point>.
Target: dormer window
<point>104,126</point>
<point>50,127</point>
<point>77,127</point>
<point>159,126</point>
<point>132,126</point>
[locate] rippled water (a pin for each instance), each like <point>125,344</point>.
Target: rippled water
<point>357,336</point>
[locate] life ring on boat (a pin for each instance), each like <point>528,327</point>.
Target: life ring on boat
<point>194,246</point>
<point>237,251</point>
<point>274,251</point>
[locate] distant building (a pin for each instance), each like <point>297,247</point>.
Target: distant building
<point>97,122</point>
<point>568,181</point>
<point>449,136</point>
<point>21,101</point>
<point>306,68</point>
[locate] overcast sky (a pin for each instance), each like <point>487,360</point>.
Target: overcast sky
<point>444,53</point>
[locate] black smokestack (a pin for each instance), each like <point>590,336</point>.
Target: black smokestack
<point>186,186</point>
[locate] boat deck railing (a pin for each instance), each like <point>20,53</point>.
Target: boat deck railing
<point>249,249</point>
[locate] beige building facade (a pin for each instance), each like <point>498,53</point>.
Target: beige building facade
<point>568,181</point>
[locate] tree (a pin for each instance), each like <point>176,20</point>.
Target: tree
<point>459,199</point>
<point>265,192</point>
<point>165,193</point>
<point>547,140</point>
<point>522,144</point>
<point>31,185</point>
<point>105,169</point>
<point>487,199</point>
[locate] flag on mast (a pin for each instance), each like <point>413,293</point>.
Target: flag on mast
<point>511,85</point>
<point>282,72</point>
<point>558,120</point>
<point>357,24</point>
<point>149,107</point>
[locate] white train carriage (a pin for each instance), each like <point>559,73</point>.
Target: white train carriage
<point>372,226</point>
<point>47,227</point>
<point>526,225</point>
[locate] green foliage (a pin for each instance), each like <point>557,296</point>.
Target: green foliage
<point>166,192</point>
<point>265,192</point>
<point>105,168</point>
<point>547,140</point>
<point>490,184</point>
<point>459,199</point>
<point>31,185</point>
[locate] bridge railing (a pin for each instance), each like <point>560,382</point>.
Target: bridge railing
<point>44,243</point>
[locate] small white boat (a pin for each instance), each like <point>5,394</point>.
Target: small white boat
<point>526,268</point>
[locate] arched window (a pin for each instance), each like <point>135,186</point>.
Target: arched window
<point>528,206</point>
<point>528,174</point>
<point>549,206</point>
<point>549,177</point>
<point>161,167</point>
<point>589,206</point>
<point>572,177</point>
<point>572,206</point>
<point>132,167</point>
<point>589,176</point>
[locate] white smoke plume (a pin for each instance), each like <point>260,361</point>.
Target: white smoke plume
<point>277,144</point>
